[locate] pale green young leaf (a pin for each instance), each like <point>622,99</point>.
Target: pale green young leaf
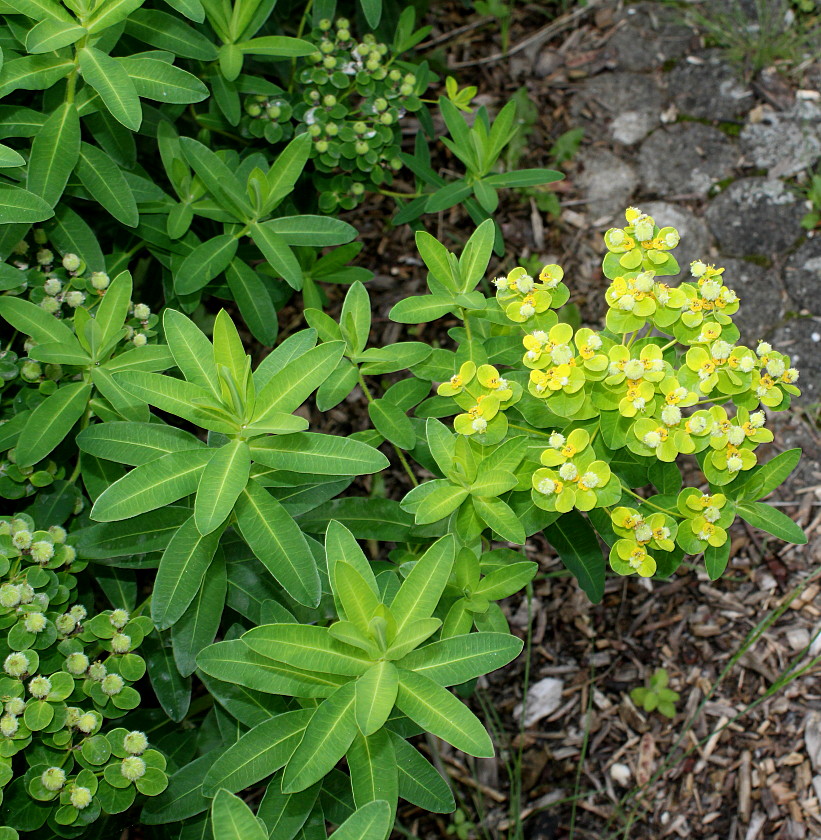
<point>112,310</point>
<point>290,387</point>
<point>326,739</point>
<point>392,423</point>
<point>50,35</point>
<point>420,309</point>
<point>500,517</point>
<point>476,255</point>
<point>125,404</point>
<point>54,154</point>
<point>440,503</point>
<point>306,646</point>
<point>419,782</point>
<point>111,81</point>
<point>260,752</point>
<point>286,169</point>
<point>411,637</point>
<point>376,693</point>
<point>182,567</point>
<point>370,822</point>
<point>234,662</point>
<point>278,542</point>
<point>358,601</point>
<point>223,479</point>
<point>192,351</point>
<point>355,318</point>
<point>278,254</point>
<point>254,301</point>
<point>439,712</point>
<point>456,660</point>
<point>493,483</point>
<point>318,454</point>
<point>228,349</point>
<point>153,485</point>
<point>437,260</point>
<point>442,444</point>
<point>342,547</point>
<point>50,422</point>
<point>506,580</point>
<point>293,347</point>
<point>232,819</point>
<point>422,588</point>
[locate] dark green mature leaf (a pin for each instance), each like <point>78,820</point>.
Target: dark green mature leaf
<point>172,690</point>
<point>223,479</point>
<point>232,819</point>
<point>183,797</point>
<point>204,263</point>
<point>254,301</point>
<point>278,254</point>
<point>372,765</point>
<point>51,35</point>
<point>163,82</point>
<point>18,205</point>
<point>761,515</point>
<point>29,319</point>
<point>167,32</point>
<point>33,72</point>
<point>575,541</point>
<point>316,454</point>
<point>370,822</point>
<point>113,84</point>
<point>51,421</point>
<point>110,13</point>
<point>135,443</point>
<point>419,782</point>
<point>101,176</point>
<point>220,181</point>
<point>138,535</point>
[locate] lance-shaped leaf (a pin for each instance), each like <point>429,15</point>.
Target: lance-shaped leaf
<point>317,454</point>
<point>278,542</point>
<point>254,301</point>
<point>370,822</point>
<point>29,319</point>
<point>163,82</point>
<point>204,263</point>
<point>54,154</point>
<point>284,814</point>
<point>220,181</point>
<point>372,765</point>
<point>376,693</point>
<point>138,535</point>
<point>153,485</point>
<point>168,32</point>
<point>286,169</point>
<point>51,35</point>
<point>258,753</point>
<point>358,602</point>
<point>458,659</point>
<point>183,564</point>
<point>420,591</point>
<point>287,389</point>
<point>327,738</point>
<point>223,479</point>
<point>419,782</point>
<point>51,421</point>
<point>769,519</point>
<point>234,662</point>
<point>311,231</point>
<point>192,351</point>
<point>306,646</point>
<point>232,819</point>
<point>21,206</point>
<point>278,254</point>
<point>104,180</point>
<point>111,81</point>
<point>437,711</point>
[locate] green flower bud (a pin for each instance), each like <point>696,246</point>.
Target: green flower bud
<point>71,262</point>
<point>40,237</point>
<point>273,111</point>
<point>361,147</point>
<point>34,622</point>
<point>139,340</point>
<point>405,89</point>
<point>120,643</point>
<point>112,684</point>
<point>343,23</point>
<point>75,298</point>
<point>359,127</point>
<point>313,95</point>
<point>58,533</point>
<point>321,146</point>
<point>40,687</point>
<point>135,742</point>
<point>65,624</point>
<point>9,595</point>
<point>386,118</point>
<point>31,371</point>
<point>314,130</point>
<point>50,305</point>
<point>332,129</point>
<point>21,540</point>
<point>53,371</point>
<point>372,63</point>
<point>78,612</point>
<point>16,664</point>
<point>141,312</point>
<point>118,618</point>
<point>45,257</point>
<point>42,551</point>
<point>253,109</point>
<point>133,768</point>
<point>325,24</point>
<point>363,49</point>
<point>315,57</point>
<point>21,247</point>
<point>329,100</point>
<point>77,663</point>
<point>326,47</point>
<point>329,62</point>
<point>357,188</point>
<point>9,725</point>
<point>26,593</point>
<point>69,552</point>
<point>16,706</point>
<point>87,722</point>
<point>80,797</point>
<point>395,75</point>
<point>100,280</point>
<point>52,286</point>
<point>343,34</point>
<point>53,779</point>
<point>380,104</point>
<point>97,671</point>
<point>395,164</point>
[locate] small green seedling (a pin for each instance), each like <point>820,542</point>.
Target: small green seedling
<point>656,696</point>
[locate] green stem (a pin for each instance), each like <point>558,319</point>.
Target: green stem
<point>393,194</point>
<point>651,504</point>
<point>300,29</point>
<point>399,453</point>
<point>83,423</point>
<point>466,321</point>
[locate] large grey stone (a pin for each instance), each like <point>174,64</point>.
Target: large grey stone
<point>800,339</point>
<point>607,182</point>
<point>802,277</point>
<point>695,237</point>
<point>706,86</point>
<point>755,216</point>
<point>784,143</point>
<point>685,158</point>
<point>761,306</point>
<point>628,104</point>
<point>649,35</point>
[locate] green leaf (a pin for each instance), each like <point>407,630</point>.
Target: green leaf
<point>761,515</point>
<point>277,46</point>
<point>765,477</point>
<point>42,10</point>
<point>287,389</point>
<point>107,185</point>
<point>286,169</point>
<point>139,535</point>
<point>51,421</point>
<point>110,13</point>
<point>371,822</point>
<point>21,206</point>
<point>437,711</point>
<point>419,782</point>
<point>223,479</point>
<point>278,254</point>
<point>111,81</point>
<point>327,738</point>
<point>440,502</point>
<point>33,72</point>
<point>284,814</point>
<point>134,443</point>
<point>50,35</point>
<point>716,559</point>
<point>163,82</point>
<point>179,576</point>
<point>372,765</point>
<point>183,797</point>
<point>420,591</point>
<point>392,423</point>
<point>258,753</point>
<point>10,158</point>
<point>192,351</point>
<point>167,32</point>
<point>54,154</point>
<point>456,660</point>
<point>316,454</point>
<point>172,690</point>
<point>476,255</point>
<point>232,819</point>
<point>306,646</point>
<point>204,263</point>
<point>420,309</point>
<point>29,319</point>
<point>311,231</point>
<point>437,259</point>
<point>278,542</point>
<point>375,696</point>
<point>500,517</point>
<point>221,182</point>
<point>576,543</point>
<point>254,301</point>
<point>523,178</point>
<point>153,485</point>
